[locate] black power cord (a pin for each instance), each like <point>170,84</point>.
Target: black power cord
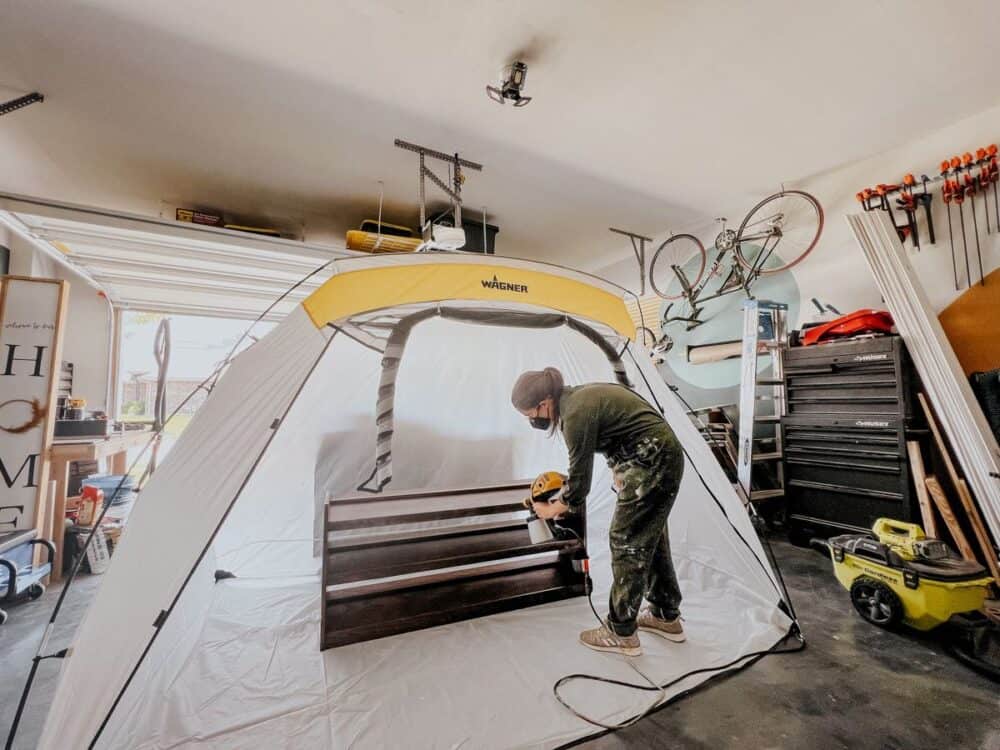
<point>652,686</point>
<point>732,666</point>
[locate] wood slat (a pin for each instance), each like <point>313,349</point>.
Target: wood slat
<point>920,484</point>
<point>978,529</point>
<point>343,541</point>
<point>366,563</point>
<point>421,516</point>
<point>377,587</point>
<point>944,508</point>
<point>402,611</point>
<point>366,513</point>
<point>522,484</point>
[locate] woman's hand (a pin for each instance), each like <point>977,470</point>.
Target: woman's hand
<point>548,511</point>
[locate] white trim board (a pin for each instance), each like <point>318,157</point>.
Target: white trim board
<point>943,379</point>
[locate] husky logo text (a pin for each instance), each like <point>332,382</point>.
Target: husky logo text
<point>504,286</point>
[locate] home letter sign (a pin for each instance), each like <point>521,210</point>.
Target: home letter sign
<point>31,313</point>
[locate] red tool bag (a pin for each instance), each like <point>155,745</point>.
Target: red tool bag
<point>853,324</point>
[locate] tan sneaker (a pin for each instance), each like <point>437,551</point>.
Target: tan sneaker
<point>605,639</point>
<point>669,629</point>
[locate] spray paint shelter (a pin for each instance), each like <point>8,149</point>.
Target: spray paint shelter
<point>476,375</point>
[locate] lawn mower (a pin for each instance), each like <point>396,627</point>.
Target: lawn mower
<point>898,576</point>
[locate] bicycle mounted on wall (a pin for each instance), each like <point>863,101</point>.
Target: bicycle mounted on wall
<point>792,219</point>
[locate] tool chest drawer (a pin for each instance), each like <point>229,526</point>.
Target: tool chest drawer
<point>861,453</point>
<point>844,354</point>
<point>867,475</point>
<point>868,437</point>
<point>869,377</point>
<point>827,508</point>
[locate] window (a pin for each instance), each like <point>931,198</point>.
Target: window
<point>198,346</point>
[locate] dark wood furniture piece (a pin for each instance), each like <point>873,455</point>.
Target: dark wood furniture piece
<point>461,554</point>
<point>850,408</point>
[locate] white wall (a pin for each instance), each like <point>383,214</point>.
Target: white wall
<point>836,271</point>
<point>85,339</point>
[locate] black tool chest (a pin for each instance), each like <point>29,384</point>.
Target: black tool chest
<point>849,406</point>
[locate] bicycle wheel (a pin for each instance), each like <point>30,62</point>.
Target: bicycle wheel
<point>681,251</point>
<point>791,220</point>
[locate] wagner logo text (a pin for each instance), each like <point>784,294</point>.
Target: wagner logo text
<point>504,286</point>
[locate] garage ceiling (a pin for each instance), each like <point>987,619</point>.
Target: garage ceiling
<point>647,115</point>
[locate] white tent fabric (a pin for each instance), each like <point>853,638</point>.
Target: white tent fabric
<point>237,663</point>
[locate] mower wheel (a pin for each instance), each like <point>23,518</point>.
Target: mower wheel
<point>36,590</point>
<point>876,602</point>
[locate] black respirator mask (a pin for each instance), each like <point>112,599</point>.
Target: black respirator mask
<point>540,423</point>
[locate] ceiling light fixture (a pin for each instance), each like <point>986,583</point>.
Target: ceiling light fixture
<point>512,80</point>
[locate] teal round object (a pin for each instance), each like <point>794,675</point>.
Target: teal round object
<point>723,322</point>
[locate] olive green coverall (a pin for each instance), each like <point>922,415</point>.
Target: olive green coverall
<point>647,464</point>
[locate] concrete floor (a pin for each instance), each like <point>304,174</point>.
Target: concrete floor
<point>855,686</point>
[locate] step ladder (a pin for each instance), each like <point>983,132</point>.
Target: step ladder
<point>764,334</point>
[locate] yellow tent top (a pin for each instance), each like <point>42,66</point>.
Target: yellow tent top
<point>364,285</point>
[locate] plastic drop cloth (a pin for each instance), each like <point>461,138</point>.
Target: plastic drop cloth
<point>238,663</point>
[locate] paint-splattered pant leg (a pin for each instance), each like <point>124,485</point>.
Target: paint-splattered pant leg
<point>662,590</point>
<point>640,548</point>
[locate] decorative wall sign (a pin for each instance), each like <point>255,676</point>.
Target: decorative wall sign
<point>31,321</point>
